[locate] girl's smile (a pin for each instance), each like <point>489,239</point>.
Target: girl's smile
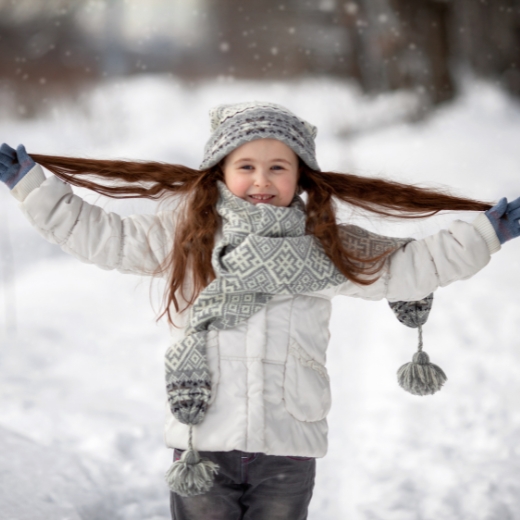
<point>264,171</point>
<point>261,197</point>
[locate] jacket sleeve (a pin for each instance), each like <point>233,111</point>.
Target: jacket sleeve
<point>136,244</point>
<point>421,266</point>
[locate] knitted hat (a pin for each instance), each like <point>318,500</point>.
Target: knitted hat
<point>234,125</point>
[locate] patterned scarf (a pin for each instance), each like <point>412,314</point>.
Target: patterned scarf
<point>264,251</point>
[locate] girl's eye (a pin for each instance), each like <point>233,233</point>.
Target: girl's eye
<point>277,167</point>
<point>246,167</point>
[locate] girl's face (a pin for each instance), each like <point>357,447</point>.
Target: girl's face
<point>264,171</point>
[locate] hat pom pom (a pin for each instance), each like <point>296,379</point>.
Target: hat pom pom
<point>191,475</point>
<point>420,377</point>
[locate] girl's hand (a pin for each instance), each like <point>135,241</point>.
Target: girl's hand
<point>14,164</point>
<point>504,219</point>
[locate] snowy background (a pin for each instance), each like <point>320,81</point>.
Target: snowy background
<point>81,393</point>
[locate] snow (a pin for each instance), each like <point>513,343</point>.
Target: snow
<point>81,369</point>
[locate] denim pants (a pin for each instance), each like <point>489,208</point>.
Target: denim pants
<point>250,486</point>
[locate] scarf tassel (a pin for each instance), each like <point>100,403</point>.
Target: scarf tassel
<point>420,377</point>
<point>191,475</point>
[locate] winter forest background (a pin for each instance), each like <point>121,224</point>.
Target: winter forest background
<point>420,91</point>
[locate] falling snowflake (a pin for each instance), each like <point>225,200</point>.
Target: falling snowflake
<point>351,7</point>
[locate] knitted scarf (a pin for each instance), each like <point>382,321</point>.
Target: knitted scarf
<point>264,251</point>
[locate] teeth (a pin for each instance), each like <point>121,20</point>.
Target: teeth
<point>260,197</point>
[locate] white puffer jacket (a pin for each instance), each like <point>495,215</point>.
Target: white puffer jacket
<point>270,386</point>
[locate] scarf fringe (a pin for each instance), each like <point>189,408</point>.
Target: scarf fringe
<point>191,475</point>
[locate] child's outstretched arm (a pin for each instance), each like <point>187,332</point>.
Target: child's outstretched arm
<point>136,244</point>
<point>419,267</point>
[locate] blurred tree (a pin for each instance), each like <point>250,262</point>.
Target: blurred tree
<point>114,61</point>
<point>424,43</point>
<point>487,39</point>
<point>41,41</point>
<point>414,47</point>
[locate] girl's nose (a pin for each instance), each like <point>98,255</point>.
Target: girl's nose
<point>261,178</point>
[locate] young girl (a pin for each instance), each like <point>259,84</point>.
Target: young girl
<point>251,269</point>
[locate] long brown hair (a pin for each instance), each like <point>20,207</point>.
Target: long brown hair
<point>198,221</point>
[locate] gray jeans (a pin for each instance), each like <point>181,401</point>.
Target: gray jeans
<point>251,486</point>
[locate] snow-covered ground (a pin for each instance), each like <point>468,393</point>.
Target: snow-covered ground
<point>81,392</point>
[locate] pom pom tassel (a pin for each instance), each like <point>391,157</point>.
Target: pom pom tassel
<point>420,377</point>
<point>191,475</point>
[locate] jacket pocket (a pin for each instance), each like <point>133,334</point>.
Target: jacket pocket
<point>213,357</point>
<point>306,387</point>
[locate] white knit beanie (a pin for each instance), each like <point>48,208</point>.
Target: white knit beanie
<point>234,125</point>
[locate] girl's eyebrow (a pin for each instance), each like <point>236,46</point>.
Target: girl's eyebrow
<point>252,160</point>
<point>281,160</point>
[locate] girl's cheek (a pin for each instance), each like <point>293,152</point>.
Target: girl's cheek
<point>237,185</point>
<point>290,187</point>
